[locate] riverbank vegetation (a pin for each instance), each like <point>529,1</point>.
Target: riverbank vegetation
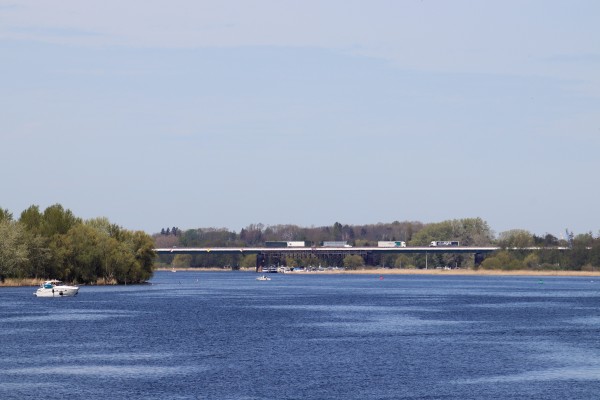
<point>56,244</point>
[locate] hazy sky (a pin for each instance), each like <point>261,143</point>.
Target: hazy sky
<point>193,114</point>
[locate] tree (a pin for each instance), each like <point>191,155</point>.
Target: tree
<point>337,231</point>
<point>432,232</point>
<point>141,247</point>
<point>182,261</point>
<point>102,225</point>
<point>403,261</point>
<point>532,261</point>
<point>32,219</point>
<point>248,261</point>
<point>112,254</point>
<point>163,241</point>
<point>5,215</point>
<point>502,260</point>
<point>353,261</point>
<point>472,232</point>
<point>580,253</point>
<point>594,257</point>
<point>84,261</point>
<point>38,255</point>
<point>57,220</point>
<point>515,239</point>
<point>13,249</point>
<point>467,231</point>
<point>545,241</point>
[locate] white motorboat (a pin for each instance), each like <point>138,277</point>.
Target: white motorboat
<point>263,278</point>
<point>56,288</point>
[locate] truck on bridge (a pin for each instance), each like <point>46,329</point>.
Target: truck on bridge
<point>391,244</point>
<point>447,243</point>
<point>298,243</point>
<point>336,244</point>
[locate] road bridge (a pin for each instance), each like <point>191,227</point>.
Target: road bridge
<point>267,255</point>
<point>327,250</point>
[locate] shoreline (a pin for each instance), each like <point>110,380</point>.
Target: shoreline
<point>402,271</point>
<point>373,271</point>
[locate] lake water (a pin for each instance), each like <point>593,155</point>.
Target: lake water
<point>194,335</point>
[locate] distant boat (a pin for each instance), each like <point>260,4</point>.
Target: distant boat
<point>56,288</point>
<point>263,278</point>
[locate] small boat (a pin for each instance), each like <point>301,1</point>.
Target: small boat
<point>263,278</point>
<point>56,288</point>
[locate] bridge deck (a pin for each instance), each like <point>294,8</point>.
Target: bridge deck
<point>324,250</point>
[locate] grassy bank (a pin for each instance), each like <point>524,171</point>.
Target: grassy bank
<point>13,282</point>
<point>10,282</point>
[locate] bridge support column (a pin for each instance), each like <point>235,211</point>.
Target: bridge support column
<point>479,257</point>
<point>260,262</point>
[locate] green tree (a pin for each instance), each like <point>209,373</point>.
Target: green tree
<point>60,254</point>
<point>353,261</point>
<point>32,219</point>
<point>433,232</point>
<point>248,261</point>
<point>532,261</point>
<point>85,261</point>
<point>337,231</point>
<point>403,261</point>
<point>38,256</point>
<point>580,254</point>
<point>89,251</point>
<point>57,220</point>
<point>102,225</point>
<point>468,231</point>
<point>5,215</point>
<point>515,239</point>
<point>182,261</point>
<point>594,257</point>
<point>141,247</point>
<point>472,232</point>
<point>503,260</point>
<point>13,249</point>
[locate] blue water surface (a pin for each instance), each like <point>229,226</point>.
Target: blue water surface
<point>225,335</point>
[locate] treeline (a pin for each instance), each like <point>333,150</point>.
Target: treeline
<point>258,234</point>
<point>575,252</point>
<point>583,250</point>
<point>56,244</point>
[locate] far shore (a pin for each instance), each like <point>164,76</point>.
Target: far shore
<point>8,282</point>
<point>413,271</point>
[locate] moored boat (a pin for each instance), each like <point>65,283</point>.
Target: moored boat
<point>56,288</point>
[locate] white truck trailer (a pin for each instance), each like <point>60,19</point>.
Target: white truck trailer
<point>448,243</point>
<point>336,244</point>
<point>391,244</point>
